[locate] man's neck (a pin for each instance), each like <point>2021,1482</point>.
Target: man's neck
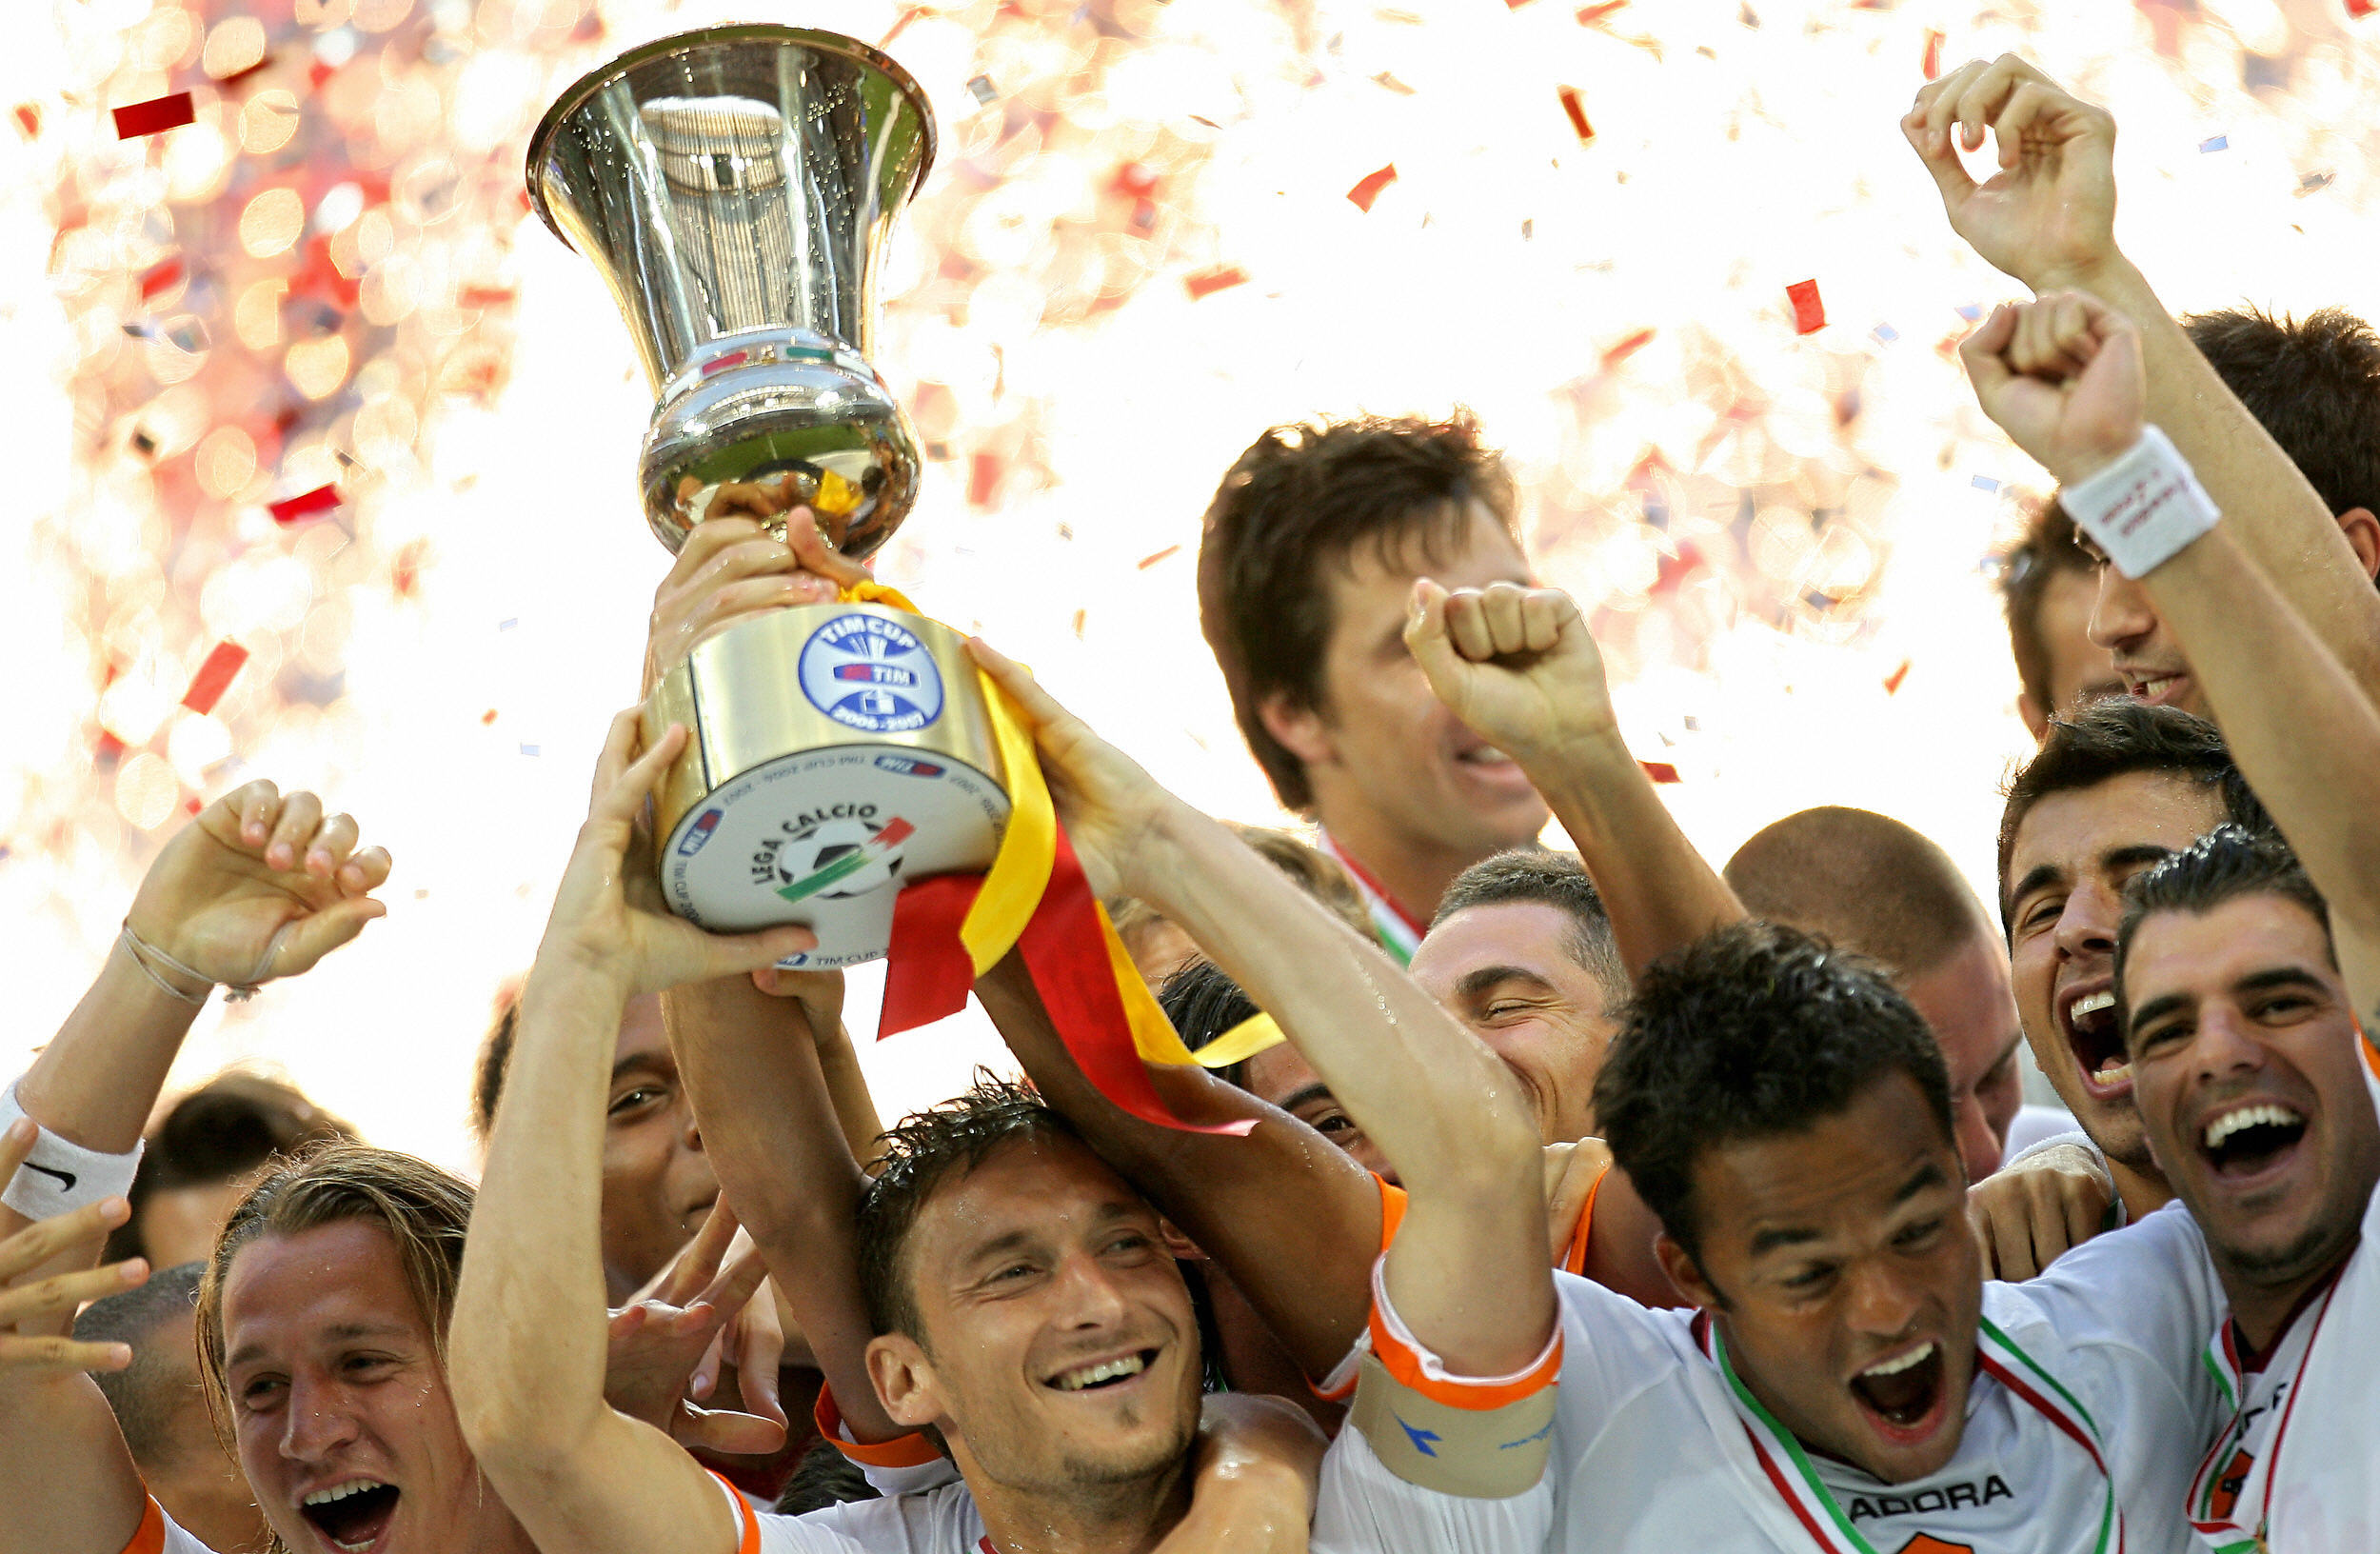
<point>2262,1311</point>
<point>1126,1517</point>
<point>2142,1188</point>
<point>1412,872</point>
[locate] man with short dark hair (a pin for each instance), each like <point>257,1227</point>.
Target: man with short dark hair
<point>160,1406</point>
<point>1871,884</point>
<point>2049,585</point>
<point>1311,546</point>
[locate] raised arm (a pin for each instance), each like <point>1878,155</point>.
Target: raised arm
<point>1521,671</point>
<point>1467,1269</point>
<point>2063,376</point>
<point>2047,217</point>
<point>528,1335</point>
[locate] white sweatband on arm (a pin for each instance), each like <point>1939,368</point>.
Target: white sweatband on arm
<point>2144,508</point>
<point>59,1176</point>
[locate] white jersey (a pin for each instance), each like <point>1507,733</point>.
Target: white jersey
<point>2086,1414</point>
<point>1360,1508</point>
<point>160,1534</point>
<point>2298,1467</point>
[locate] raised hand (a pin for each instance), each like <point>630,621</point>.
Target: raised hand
<point>2048,215</point>
<point>36,1312</point>
<point>2061,375</point>
<point>608,922</point>
<point>666,1345</point>
<point>261,885</point>
<point>1516,665</point>
<point>2030,1214</point>
<point>1109,805</point>
<point>731,568</point>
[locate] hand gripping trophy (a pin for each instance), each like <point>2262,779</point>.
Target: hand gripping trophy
<point>735,186</point>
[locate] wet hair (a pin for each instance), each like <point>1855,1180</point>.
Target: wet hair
<point>234,1123</point>
<point>1541,877</point>
<point>1302,500</point>
<point>2115,738</point>
<point>2048,549</point>
<point>823,1477</point>
<point>923,1152</point>
<point>2223,866</point>
<point>1203,1003</point>
<point>142,1393</point>
<point>1752,1032</point>
<point>495,1060</point>
<point>425,1211</point>
<point>1863,879</point>
<point>2312,382</point>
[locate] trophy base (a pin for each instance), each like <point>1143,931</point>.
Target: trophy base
<point>839,752</point>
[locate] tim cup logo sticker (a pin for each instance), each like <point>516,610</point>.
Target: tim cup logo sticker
<point>871,674</point>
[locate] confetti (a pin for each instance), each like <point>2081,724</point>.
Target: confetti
<point>1578,111</point>
<point>160,277</point>
<point>1983,482</point>
<point>1968,310</point>
<point>531,749</point>
<point>1207,282</point>
<point>1627,346</point>
<point>1885,334</point>
<point>2214,142</point>
<point>29,120</point>
<point>981,90</point>
<point>290,509</point>
<point>1892,681</point>
<point>154,117</point>
<point>1809,311</point>
<point>1080,616</point>
<point>1590,15</point>
<point>485,296</point>
<point>214,676</point>
<point>1932,64</point>
<point>1368,188</point>
<point>1661,771</point>
<point>2358,9</point>
<point>1148,561</point>
<point>487,717</point>
<point>982,479</point>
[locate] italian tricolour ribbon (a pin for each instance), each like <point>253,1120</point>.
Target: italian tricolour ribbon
<point>950,929</point>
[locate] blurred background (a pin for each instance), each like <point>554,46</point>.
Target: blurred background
<point>1154,229</point>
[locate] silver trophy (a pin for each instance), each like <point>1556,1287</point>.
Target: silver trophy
<point>735,188</point>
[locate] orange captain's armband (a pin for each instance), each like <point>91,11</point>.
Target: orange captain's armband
<point>914,1449</point>
<point>1483,1438</point>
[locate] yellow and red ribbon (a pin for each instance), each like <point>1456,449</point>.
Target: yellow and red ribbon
<point>952,929</point>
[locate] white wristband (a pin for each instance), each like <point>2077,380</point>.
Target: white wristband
<point>59,1177</point>
<point>2144,508</point>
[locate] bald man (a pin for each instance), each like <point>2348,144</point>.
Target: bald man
<point>1871,884</point>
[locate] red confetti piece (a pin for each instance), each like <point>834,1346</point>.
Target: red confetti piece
<point>1892,681</point>
<point>901,25</point>
<point>154,117</point>
<point>1149,561</point>
<point>983,479</point>
<point>1661,771</point>
<point>214,676</point>
<point>107,749</point>
<point>1934,55</point>
<point>160,278</point>
<point>487,717</point>
<point>405,573</point>
<point>1207,282</point>
<point>1578,111</point>
<point>290,509</point>
<point>485,296</point>
<point>1368,188</point>
<point>2359,9</point>
<point>1515,4</point>
<point>190,806</point>
<point>1616,354</point>
<point>1080,616</point>
<point>318,73</point>
<point>1809,311</point>
<point>1590,15</point>
<point>29,119</point>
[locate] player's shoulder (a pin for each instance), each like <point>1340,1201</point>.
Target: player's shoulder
<point>938,1521</point>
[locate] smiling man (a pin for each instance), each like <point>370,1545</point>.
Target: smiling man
<point>1311,548</point>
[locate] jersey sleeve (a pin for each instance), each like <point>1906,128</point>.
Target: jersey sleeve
<point>941,1520</point>
<point>1363,1508</point>
<point>907,1465</point>
<point>160,1534</point>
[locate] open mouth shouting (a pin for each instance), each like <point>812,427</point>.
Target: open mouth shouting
<point>2249,1140</point>
<point>2088,1019</point>
<point>1116,1373</point>
<point>1903,1394</point>
<point>352,1515</point>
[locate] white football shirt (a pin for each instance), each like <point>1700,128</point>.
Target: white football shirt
<point>2298,1467</point>
<point>2096,1361</point>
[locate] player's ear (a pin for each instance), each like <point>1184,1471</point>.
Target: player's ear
<point>905,1383</point>
<point>1686,1273</point>
<point>2035,719</point>
<point>1301,731</point>
<point>2363,536</point>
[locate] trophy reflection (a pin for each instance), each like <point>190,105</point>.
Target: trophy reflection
<point>735,188</point>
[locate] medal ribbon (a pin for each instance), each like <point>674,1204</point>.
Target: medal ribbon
<point>952,929</point>
<point>2227,1534</point>
<point>1797,1481</point>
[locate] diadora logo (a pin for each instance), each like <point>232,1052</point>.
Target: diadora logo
<point>698,833</point>
<point>871,674</point>
<point>1949,1496</point>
